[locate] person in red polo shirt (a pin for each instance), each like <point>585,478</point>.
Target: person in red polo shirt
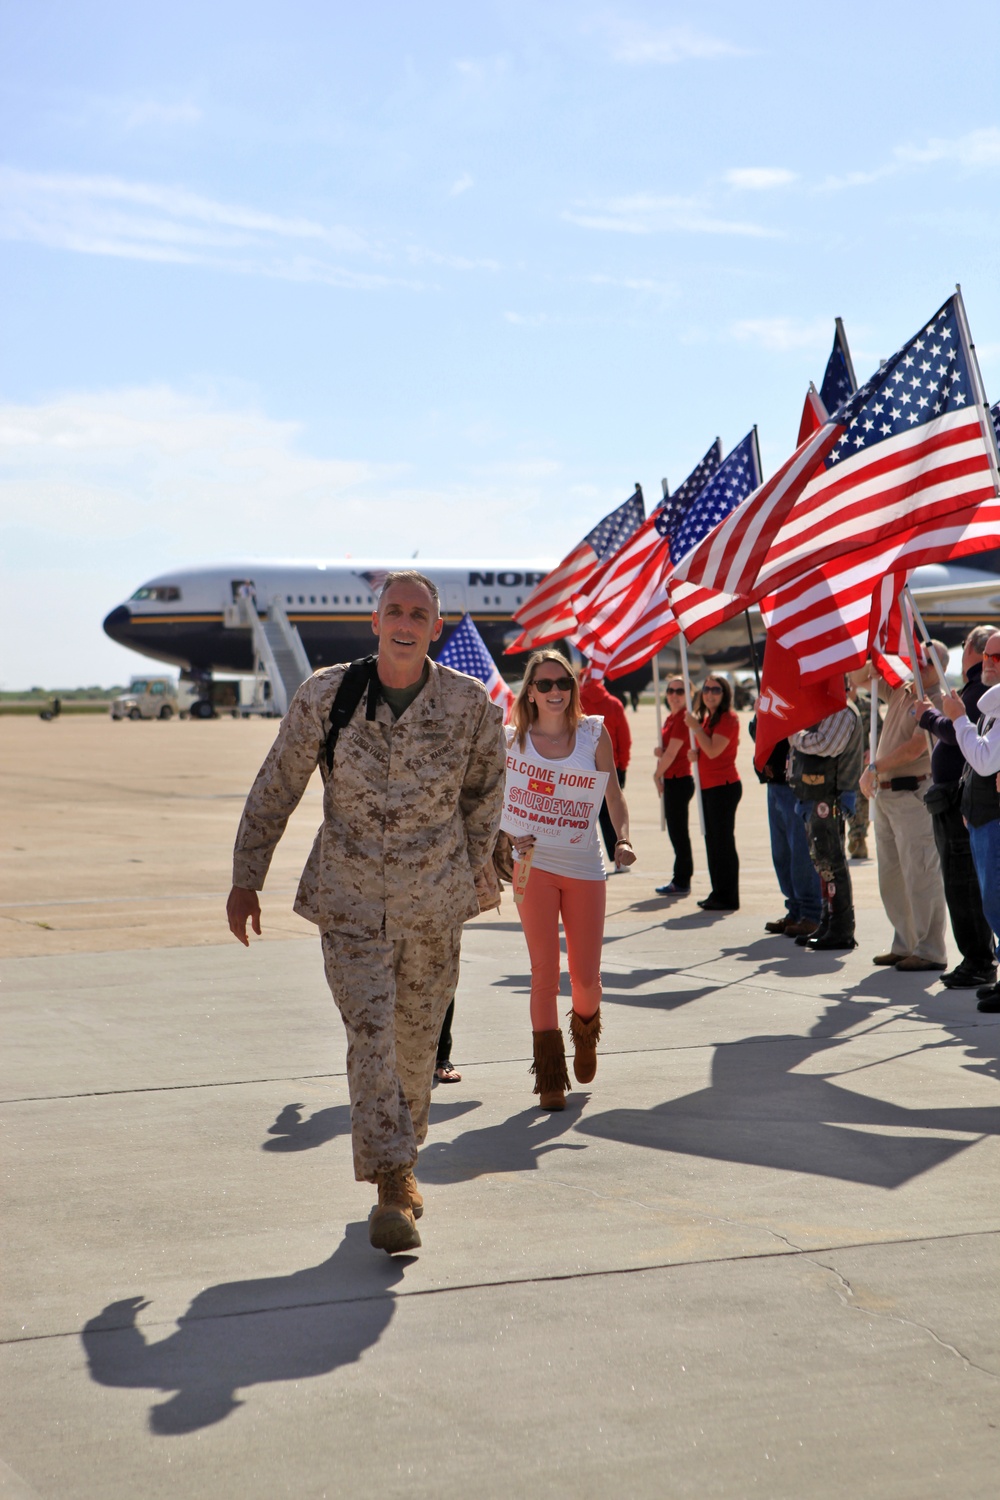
<point>675,784</point>
<point>716,735</point>
<point>595,699</point>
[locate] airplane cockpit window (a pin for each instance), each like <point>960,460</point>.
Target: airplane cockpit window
<point>164,593</point>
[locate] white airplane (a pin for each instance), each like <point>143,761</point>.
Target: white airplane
<point>192,618</point>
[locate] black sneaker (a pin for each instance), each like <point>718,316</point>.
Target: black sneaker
<point>989,998</point>
<point>963,978</point>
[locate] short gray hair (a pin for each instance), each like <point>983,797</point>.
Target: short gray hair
<point>979,635</point>
<point>410,575</point>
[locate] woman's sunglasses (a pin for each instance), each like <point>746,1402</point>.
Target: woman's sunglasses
<point>710,687</point>
<point>546,684</point>
<point>676,690</point>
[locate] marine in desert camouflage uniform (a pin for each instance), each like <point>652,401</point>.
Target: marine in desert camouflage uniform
<point>401,860</point>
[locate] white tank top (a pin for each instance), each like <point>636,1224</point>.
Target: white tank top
<point>586,863</point>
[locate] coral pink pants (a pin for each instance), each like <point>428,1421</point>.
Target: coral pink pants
<point>580,904</point>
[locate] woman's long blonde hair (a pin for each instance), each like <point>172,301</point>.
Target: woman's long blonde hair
<point>524,713</point>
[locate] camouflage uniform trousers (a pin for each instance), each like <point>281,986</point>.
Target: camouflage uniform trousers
<point>857,823</point>
<point>392,997</point>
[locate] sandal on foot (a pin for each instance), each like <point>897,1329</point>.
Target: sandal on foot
<point>446,1073</point>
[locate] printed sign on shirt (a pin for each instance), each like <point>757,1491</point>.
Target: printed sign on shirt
<point>558,807</point>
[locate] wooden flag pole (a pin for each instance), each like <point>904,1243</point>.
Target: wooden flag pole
<point>691,738</point>
<point>942,679</point>
<point>873,728</point>
<point>910,643</point>
<point>659,729</point>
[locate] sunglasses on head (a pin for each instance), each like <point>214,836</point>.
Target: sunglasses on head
<point>546,684</point>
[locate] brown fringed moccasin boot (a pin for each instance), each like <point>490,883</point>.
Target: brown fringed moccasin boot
<point>549,1068</point>
<point>586,1034</point>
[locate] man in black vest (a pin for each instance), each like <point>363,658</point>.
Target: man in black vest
<point>961,887</point>
<point>981,794</point>
<point>826,765</point>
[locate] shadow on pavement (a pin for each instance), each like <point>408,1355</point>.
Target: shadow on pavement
<point>293,1133</point>
<point>515,1145</point>
<point>243,1333</point>
<point>760,1111</point>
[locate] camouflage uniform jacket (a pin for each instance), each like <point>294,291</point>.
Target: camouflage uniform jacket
<point>410,811</point>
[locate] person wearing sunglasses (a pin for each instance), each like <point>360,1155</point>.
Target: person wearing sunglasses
<point>981,794</point>
<point>716,732</point>
<point>566,884</point>
<point>675,784</point>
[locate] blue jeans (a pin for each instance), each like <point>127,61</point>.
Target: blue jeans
<point>985,841</point>
<point>797,878</point>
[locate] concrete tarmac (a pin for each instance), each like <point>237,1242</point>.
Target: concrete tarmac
<point>758,1255</point>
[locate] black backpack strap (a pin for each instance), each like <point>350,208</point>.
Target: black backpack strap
<point>360,674</point>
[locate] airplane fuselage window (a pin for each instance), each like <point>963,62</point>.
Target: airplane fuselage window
<point>302,598</point>
<point>312,598</point>
<point>164,593</point>
<point>289,599</point>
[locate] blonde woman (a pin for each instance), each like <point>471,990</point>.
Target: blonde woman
<point>566,884</point>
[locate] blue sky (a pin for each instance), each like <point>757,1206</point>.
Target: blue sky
<point>317,279</point>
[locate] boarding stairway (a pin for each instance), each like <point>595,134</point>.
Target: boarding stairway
<point>279,654</point>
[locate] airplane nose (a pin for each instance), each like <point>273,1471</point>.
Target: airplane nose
<point>116,624</point>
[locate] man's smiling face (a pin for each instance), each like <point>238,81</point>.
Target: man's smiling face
<point>405,622</point>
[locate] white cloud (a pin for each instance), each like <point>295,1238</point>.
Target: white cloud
<point>95,471</point>
<point>142,114</point>
<point>525,320</point>
<point>646,213</point>
<point>759,179</point>
<point>110,465</point>
<point>645,285</point>
<point>635,42</point>
<point>782,335</point>
<point>461,185</point>
<point>157,223</point>
<point>978,150</point>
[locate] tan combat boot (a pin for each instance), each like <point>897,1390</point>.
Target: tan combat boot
<point>391,1223</point>
<point>549,1068</point>
<point>586,1033</point>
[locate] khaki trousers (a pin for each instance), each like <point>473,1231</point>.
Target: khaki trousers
<point>392,997</point>
<point>909,875</point>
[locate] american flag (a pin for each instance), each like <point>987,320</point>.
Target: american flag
<point>466,652</point>
<point>910,449</point>
<point>824,616</point>
<point>715,579</point>
<point>612,586</point>
<point>636,634</point>
<point>607,585</point>
<point>547,613</point>
<point>839,383</point>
